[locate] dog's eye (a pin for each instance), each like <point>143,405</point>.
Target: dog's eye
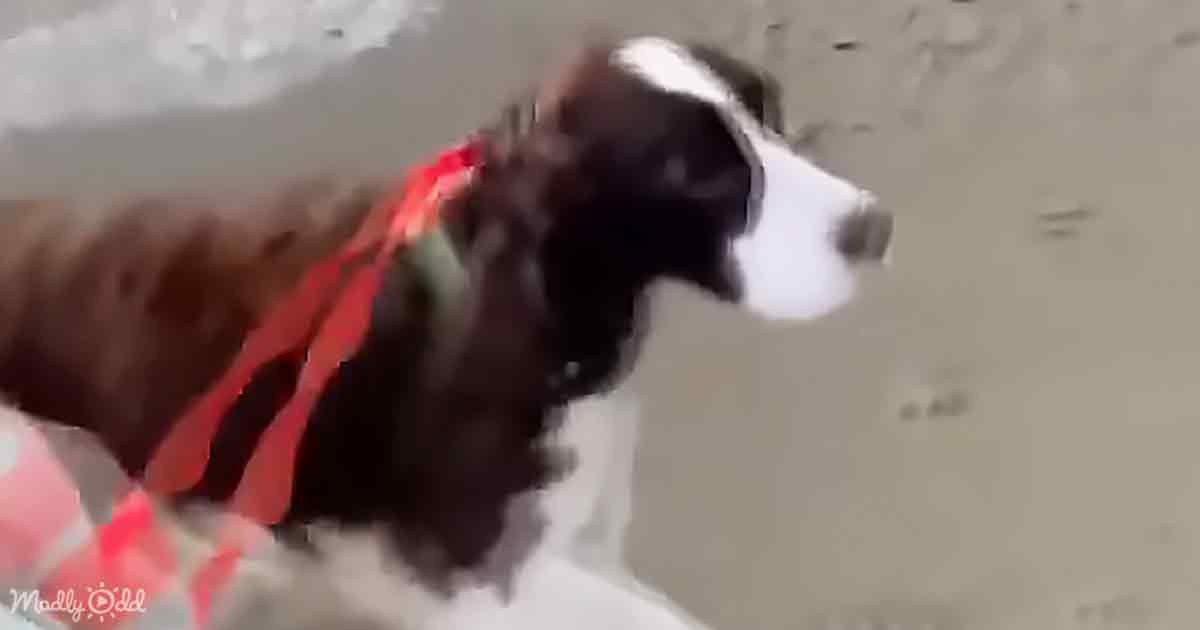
<point>719,187</point>
<point>681,177</point>
<point>675,173</point>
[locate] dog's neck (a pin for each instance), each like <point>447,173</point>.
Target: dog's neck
<point>518,217</point>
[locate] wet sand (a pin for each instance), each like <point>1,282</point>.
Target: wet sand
<point>1001,434</point>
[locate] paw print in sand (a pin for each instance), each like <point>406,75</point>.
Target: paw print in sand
<point>935,403</point>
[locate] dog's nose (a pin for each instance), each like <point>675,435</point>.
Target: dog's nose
<point>865,236</point>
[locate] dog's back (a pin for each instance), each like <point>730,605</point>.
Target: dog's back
<point>116,314</point>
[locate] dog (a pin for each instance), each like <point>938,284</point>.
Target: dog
<point>643,160</point>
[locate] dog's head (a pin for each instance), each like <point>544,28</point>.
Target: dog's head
<point>643,160</point>
<point>687,175</point>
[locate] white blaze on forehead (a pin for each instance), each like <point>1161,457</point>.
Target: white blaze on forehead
<point>790,265</point>
<point>669,66</point>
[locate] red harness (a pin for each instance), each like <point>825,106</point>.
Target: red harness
<point>264,492</point>
<point>342,287</point>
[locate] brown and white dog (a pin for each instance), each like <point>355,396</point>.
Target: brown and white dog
<point>647,160</point>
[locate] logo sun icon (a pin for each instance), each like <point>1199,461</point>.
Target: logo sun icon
<point>100,602</point>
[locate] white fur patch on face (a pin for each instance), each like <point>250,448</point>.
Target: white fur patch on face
<point>668,66</point>
<point>790,265</point>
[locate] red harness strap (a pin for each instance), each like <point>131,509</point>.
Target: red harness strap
<point>265,489</point>
<point>264,492</point>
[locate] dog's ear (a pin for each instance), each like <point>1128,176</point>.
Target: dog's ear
<point>758,90</point>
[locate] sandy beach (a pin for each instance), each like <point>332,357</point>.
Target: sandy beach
<point>1001,434</point>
